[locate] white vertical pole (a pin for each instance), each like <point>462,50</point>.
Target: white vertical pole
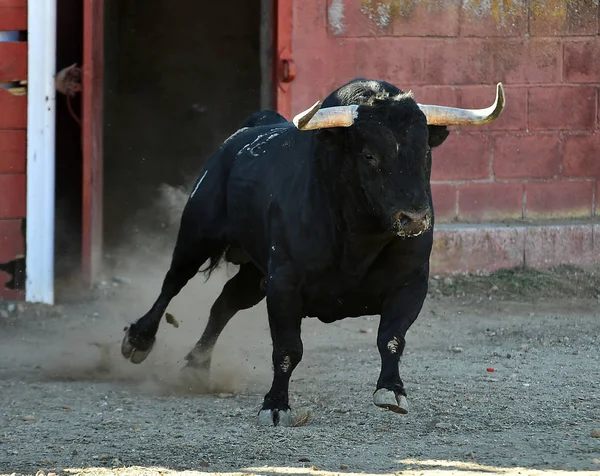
<point>40,150</point>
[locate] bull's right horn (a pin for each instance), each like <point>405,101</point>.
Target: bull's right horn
<point>317,118</point>
<point>453,116</point>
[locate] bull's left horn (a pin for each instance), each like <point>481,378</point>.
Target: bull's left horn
<point>452,116</point>
<point>317,118</point>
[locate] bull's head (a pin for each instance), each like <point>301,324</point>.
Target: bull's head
<point>388,138</point>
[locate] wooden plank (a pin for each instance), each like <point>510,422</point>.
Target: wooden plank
<point>13,61</point>
<point>13,3</point>
<point>13,111</point>
<point>12,247</point>
<point>14,196</point>
<point>12,241</point>
<point>92,117</point>
<point>13,18</point>
<point>283,46</point>
<point>13,151</point>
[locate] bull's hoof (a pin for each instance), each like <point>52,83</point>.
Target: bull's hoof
<point>389,400</point>
<point>275,418</point>
<point>133,353</point>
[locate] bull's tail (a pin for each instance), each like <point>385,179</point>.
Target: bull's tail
<point>213,261</point>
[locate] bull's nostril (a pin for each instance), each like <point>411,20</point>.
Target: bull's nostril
<point>412,223</point>
<point>404,220</point>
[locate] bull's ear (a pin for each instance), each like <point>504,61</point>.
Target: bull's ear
<point>332,138</point>
<point>437,135</point>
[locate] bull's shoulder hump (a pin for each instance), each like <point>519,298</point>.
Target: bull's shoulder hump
<point>248,134</point>
<point>255,140</point>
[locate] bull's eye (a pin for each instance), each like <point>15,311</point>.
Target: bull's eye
<point>371,159</point>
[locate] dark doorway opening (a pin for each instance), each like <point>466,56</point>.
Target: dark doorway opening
<point>179,77</point>
<point>68,153</point>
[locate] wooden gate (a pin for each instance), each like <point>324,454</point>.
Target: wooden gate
<point>13,147</point>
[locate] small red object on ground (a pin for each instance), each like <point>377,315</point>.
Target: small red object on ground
<point>490,369</point>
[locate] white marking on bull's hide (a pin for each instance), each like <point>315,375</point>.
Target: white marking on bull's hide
<point>273,247</point>
<point>239,131</point>
<point>286,364</point>
<point>335,14</point>
<point>392,346</point>
<point>198,184</point>
<point>260,141</point>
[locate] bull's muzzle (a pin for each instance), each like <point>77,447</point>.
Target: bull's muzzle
<point>408,224</point>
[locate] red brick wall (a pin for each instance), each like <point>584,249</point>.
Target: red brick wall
<point>13,142</point>
<point>541,159</point>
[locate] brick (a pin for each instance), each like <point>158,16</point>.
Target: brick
<point>342,67</point>
<point>558,199</point>
<point>444,202</point>
<point>526,62</point>
<point>462,157</point>
<point>356,19</point>
<point>562,17</point>
<point>13,61</point>
<point>566,108</point>
<point>514,115</point>
<point>493,18</point>
<point>372,18</point>
<point>582,61</point>
<point>397,60</point>
<point>13,111</point>
<point>426,18</point>
<point>458,61</point>
<point>581,155</point>
<point>12,246</point>
<point>13,151</point>
<point>13,18</point>
<point>440,95</point>
<point>549,246</point>
<point>598,110</point>
<point>468,249</point>
<point>13,202</point>
<point>490,201</point>
<point>526,156</point>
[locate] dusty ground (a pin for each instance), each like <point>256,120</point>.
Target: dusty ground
<point>70,404</point>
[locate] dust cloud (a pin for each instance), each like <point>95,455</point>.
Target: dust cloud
<point>87,347</point>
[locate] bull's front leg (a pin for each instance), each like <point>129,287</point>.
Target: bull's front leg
<point>399,312</point>
<point>284,307</point>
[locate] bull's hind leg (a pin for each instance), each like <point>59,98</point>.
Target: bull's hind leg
<point>399,312</point>
<point>188,256</point>
<point>242,291</point>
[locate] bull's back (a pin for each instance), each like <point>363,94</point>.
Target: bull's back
<point>268,177</point>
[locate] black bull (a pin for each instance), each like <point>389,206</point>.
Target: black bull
<point>329,216</point>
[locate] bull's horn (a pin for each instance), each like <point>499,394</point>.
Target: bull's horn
<point>317,118</point>
<point>452,116</point>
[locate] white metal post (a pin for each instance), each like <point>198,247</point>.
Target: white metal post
<point>40,150</point>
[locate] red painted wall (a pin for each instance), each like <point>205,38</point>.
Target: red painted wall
<point>13,143</point>
<point>541,159</point>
